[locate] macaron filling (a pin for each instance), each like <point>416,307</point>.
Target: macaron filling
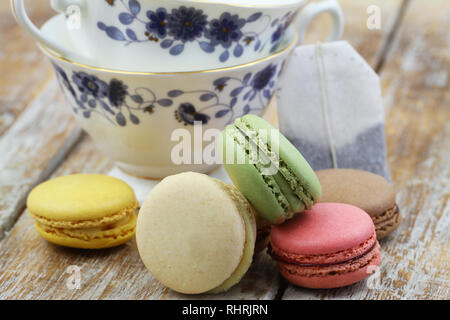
<point>370,258</point>
<point>326,264</point>
<point>114,230</point>
<point>244,141</point>
<point>296,187</point>
<point>389,217</point>
<point>263,145</point>
<point>84,224</point>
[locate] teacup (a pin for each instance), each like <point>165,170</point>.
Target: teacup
<point>132,116</point>
<point>177,35</point>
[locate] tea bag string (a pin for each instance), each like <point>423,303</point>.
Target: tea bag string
<point>325,102</point>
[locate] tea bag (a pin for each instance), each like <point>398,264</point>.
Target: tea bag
<point>330,108</point>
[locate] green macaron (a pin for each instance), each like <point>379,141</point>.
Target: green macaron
<point>268,169</point>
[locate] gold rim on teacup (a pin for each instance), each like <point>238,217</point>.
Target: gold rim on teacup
<point>118,71</point>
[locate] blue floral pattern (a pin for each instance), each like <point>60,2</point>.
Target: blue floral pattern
<point>158,23</point>
<point>175,29</point>
<point>189,115</point>
<point>226,30</point>
<point>121,105</point>
<point>281,26</point>
<point>90,86</point>
<point>186,24</point>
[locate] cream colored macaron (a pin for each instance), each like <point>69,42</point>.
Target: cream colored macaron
<point>196,234</point>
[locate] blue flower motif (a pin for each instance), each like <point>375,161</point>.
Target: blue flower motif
<point>120,105</point>
<point>64,79</point>
<point>90,85</point>
<point>221,83</point>
<point>282,27</point>
<point>186,24</point>
<point>177,27</point>
<point>276,36</point>
<point>225,30</point>
<point>262,84</point>
<point>188,114</point>
<point>158,22</point>
<point>118,91</point>
<point>263,77</point>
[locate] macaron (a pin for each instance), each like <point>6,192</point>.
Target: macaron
<point>196,234</point>
<point>268,169</point>
<point>87,211</point>
<point>330,246</point>
<point>263,228</point>
<point>370,192</point>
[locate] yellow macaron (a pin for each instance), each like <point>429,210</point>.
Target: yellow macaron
<point>87,211</point>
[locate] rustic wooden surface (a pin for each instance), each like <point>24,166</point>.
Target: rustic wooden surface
<point>39,139</point>
<point>30,104</point>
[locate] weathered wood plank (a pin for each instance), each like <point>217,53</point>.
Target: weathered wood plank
<point>31,148</point>
<point>416,258</point>
<point>367,42</point>
<point>36,128</point>
<point>38,269</point>
<point>32,271</point>
<point>106,274</point>
<point>84,159</point>
<point>32,268</point>
<point>23,74</point>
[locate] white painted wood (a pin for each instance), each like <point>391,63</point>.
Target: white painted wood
<point>30,149</point>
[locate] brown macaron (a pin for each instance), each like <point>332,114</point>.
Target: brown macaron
<point>370,192</point>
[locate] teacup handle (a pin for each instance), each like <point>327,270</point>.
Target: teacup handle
<point>19,12</point>
<point>61,6</point>
<point>312,10</point>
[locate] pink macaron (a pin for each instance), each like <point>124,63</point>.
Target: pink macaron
<point>332,245</point>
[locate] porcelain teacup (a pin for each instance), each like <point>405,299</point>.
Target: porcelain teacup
<point>132,116</point>
<point>177,35</point>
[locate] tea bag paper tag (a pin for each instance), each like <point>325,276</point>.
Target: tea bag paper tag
<point>330,107</point>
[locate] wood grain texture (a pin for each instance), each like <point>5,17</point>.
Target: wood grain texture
<point>38,270</point>
<point>30,148</point>
<point>416,258</point>
<point>36,128</point>
<point>131,280</point>
<point>367,42</point>
<point>23,75</point>
<point>98,269</point>
<point>418,122</point>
